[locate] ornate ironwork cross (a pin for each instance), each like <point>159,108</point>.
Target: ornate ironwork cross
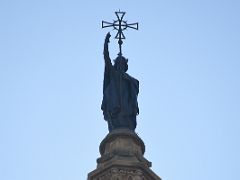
<point>120,25</point>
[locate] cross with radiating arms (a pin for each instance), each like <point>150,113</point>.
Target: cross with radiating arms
<point>120,25</point>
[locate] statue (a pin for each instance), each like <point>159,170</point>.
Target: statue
<point>120,90</point>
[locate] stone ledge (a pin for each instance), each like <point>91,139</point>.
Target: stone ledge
<point>122,158</point>
<point>121,134</point>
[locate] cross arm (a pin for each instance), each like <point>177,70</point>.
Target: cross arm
<point>131,25</point>
<point>106,24</point>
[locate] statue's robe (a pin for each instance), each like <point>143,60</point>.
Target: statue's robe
<point>119,104</point>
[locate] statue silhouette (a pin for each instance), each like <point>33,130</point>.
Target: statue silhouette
<point>120,91</point>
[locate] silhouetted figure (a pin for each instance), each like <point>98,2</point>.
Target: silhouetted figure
<point>120,92</point>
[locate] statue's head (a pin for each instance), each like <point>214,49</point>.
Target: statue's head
<point>121,64</point>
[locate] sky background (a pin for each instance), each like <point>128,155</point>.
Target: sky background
<point>186,56</point>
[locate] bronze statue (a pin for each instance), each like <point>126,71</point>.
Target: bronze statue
<point>120,91</point>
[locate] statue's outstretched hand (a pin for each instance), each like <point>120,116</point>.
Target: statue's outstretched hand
<point>107,37</point>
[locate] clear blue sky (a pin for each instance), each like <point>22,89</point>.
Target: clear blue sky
<point>186,56</point>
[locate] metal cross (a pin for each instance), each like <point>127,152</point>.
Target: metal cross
<point>120,25</point>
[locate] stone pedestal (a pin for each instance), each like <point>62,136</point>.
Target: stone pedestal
<point>122,158</point>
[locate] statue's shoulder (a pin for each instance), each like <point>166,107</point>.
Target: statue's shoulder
<point>134,80</point>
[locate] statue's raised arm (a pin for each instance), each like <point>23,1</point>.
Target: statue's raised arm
<point>106,52</point>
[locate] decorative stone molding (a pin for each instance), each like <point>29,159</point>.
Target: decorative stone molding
<point>122,174</point>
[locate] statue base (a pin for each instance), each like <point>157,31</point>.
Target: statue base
<point>122,158</point>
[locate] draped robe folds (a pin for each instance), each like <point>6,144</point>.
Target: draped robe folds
<point>120,92</point>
